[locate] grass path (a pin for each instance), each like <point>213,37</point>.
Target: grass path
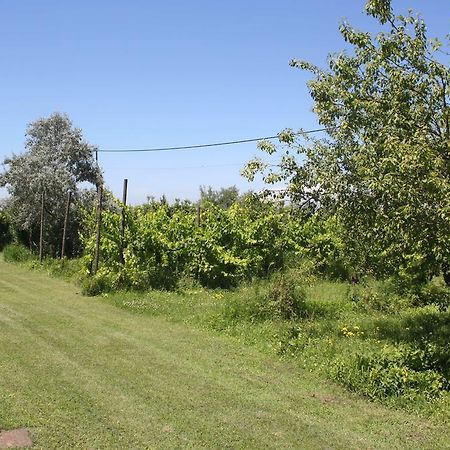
<point>80,373</point>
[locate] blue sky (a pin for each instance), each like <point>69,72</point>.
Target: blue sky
<point>141,74</point>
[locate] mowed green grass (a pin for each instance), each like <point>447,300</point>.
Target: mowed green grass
<point>81,373</point>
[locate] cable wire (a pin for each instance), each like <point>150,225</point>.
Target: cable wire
<point>216,144</point>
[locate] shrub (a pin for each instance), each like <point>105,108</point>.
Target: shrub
<point>17,253</point>
<point>281,298</point>
<point>63,268</point>
<point>95,285</point>
<point>6,234</point>
<point>395,371</point>
<point>377,297</point>
<point>163,245</point>
<point>432,294</point>
<point>286,298</point>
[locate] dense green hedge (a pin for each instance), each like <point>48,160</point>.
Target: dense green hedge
<point>163,245</point>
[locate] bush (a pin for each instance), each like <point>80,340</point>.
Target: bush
<point>17,253</point>
<point>286,298</point>
<point>6,234</point>
<point>395,371</point>
<point>377,297</point>
<point>432,294</point>
<point>62,268</point>
<point>95,285</point>
<point>163,245</point>
<point>282,298</point>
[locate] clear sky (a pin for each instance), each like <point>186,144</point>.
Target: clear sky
<point>139,74</point>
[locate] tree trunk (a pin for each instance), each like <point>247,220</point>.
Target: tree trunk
<point>446,274</point>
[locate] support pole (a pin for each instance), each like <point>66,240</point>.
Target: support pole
<point>122,224</point>
<point>41,233</point>
<point>66,219</point>
<point>98,231</point>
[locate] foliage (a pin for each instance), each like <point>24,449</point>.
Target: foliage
<point>6,232</point>
<point>280,298</point>
<point>286,298</point>
<point>162,245</point>
<point>95,285</point>
<point>17,253</point>
<point>56,160</point>
<point>223,197</point>
<point>432,294</point>
<point>319,238</point>
<point>400,370</point>
<point>384,168</point>
<point>370,296</point>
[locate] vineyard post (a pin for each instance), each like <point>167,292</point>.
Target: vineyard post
<point>122,224</point>
<point>66,218</point>
<point>98,230</point>
<point>41,232</point>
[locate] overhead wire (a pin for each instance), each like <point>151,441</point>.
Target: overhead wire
<point>215,144</point>
<point>203,166</point>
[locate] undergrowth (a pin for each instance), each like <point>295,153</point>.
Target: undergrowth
<point>68,269</point>
<point>395,354</point>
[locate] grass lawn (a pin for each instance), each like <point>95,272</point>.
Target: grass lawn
<point>79,372</point>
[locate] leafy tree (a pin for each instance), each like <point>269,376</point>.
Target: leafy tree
<point>56,160</point>
<point>6,234</point>
<point>223,197</point>
<point>385,167</point>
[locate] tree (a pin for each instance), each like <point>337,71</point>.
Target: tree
<point>223,197</point>
<point>384,168</point>
<point>5,229</point>
<point>56,160</point>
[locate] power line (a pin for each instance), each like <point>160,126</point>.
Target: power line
<point>175,168</point>
<point>216,144</point>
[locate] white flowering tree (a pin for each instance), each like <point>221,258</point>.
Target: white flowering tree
<point>56,160</point>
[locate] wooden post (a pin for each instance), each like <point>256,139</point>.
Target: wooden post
<point>66,219</point>
<point>122,224</point>
<point>198,215</point>
<point>41,233</point>
<point>98,169</point>
<point>98,231</point>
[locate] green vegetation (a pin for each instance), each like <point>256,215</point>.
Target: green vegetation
<point>17,253</point>
<point>396,356</point>
<point>81,373</point>
<point>163,244</point>
<point>57,160</point>
<point>382,171</point>
<point>347,282</point>
<point>6,230</point>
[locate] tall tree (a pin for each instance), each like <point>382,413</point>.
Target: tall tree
<point>223,197</point>
<point>56,159</point>
<point>385,166</point>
